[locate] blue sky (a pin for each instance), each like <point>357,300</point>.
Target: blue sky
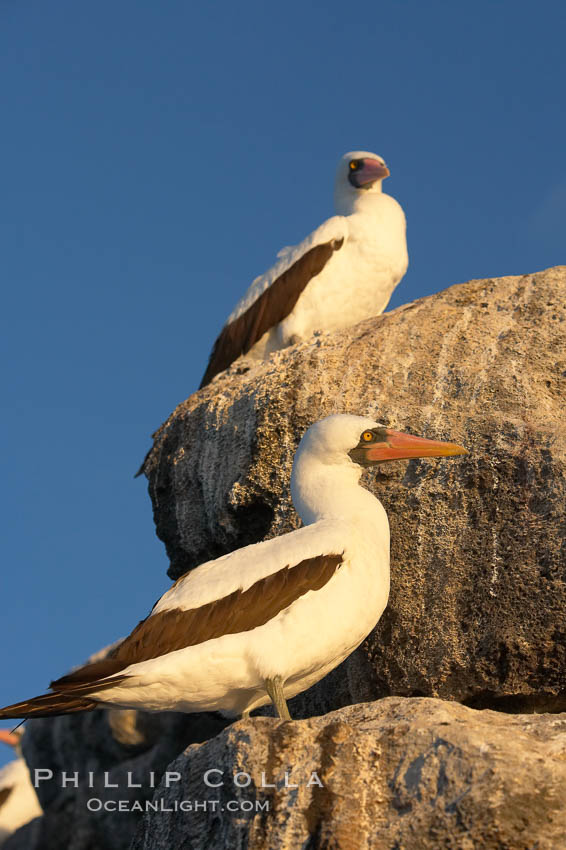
<point>155,156</point>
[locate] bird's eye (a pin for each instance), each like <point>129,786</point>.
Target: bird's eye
<point>367,436</point>
<point>354,165</point>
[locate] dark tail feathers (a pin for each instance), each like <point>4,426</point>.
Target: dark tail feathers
<point>47,705</point>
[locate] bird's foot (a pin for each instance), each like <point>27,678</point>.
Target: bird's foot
<point>274,688</point>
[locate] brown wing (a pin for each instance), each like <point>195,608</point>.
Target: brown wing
<point>4,794</point>
<point>268,310</point>
<point>175,629</point>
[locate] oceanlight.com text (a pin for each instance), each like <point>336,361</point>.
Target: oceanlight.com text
<point>95,804</point>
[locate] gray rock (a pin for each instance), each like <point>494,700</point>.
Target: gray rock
<point>477,611</point>
<point>26,837</point>
<point>411,774</point>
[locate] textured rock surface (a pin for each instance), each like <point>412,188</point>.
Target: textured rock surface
<point>417,774</point>
<point>111,744</point>
<point>477,610</point>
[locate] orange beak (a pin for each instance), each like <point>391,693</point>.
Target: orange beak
<point>9,738</point>
<point>400,446</point>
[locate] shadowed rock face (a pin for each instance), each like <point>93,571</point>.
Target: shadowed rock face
<point>418,774</point>
<point>125,749</point>
<point>477,611</point>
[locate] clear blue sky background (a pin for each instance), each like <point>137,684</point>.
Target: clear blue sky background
<point>154,157</point>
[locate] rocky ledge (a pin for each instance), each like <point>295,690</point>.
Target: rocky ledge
<point>416,774</point>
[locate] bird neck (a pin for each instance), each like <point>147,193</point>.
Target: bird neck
<point>348,201</point>
<point>332,491</point>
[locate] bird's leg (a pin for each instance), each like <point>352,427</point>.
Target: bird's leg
<point>274,688</point>
<point>245,714</point>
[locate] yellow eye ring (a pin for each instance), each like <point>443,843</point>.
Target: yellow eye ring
<point>353,165</point>
<point>367,436</point>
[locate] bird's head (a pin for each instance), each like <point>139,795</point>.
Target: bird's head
<point>358,173</point>
<point>330,457</point>
<point>344,439</point>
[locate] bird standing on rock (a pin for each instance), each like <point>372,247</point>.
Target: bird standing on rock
<point>344,272</point>
<point>269,620</point>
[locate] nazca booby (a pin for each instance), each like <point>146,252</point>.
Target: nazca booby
<point>268,620</point>
<point>18,800</point>
<point>344,272</point>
